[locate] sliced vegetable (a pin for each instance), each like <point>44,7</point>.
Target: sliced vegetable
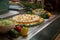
<point>45,16</point>
<point>29,12</point>
<point>18,28</point>
<point>13,33</point>
<point>49,14</point>
<point>24,31</point>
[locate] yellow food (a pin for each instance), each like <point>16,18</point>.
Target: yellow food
<point>49,14</point>
<point>24,31</point>
<point>26,19</point>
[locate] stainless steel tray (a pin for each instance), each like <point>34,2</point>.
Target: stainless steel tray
<point>34,29</point>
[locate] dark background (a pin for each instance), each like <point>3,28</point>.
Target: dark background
<point>52,5</point>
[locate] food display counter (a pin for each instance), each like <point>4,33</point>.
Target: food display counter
<point>25,21</point>
<point>36,29</point>
<point>33,30</point>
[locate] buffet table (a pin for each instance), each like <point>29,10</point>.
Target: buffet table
<point>36,29</point>
<point>32,31</point>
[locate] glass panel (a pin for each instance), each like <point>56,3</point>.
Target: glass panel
<point>3,6</point>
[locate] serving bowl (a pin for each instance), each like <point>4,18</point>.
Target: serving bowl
<point>6,25</point>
